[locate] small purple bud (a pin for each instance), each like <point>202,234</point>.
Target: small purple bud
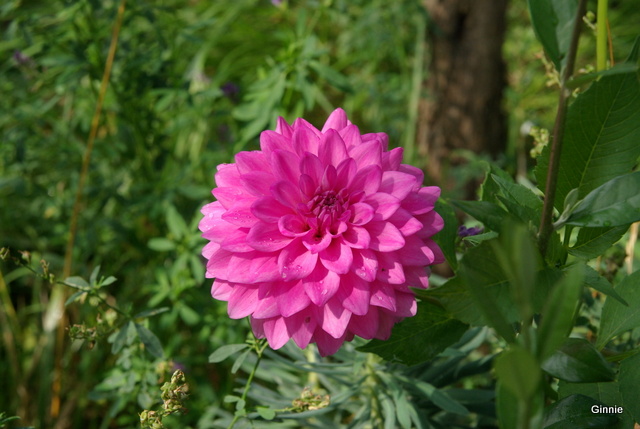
<point>22,59</point>
<point>231,91</point>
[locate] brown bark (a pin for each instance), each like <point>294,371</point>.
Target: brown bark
<point>463,108</point>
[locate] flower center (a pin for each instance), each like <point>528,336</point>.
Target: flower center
<point>327,207</point>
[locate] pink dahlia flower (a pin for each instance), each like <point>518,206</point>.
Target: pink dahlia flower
<point>319,235</point>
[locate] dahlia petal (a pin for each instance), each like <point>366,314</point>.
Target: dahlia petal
<point>390,269</point>
<point>357,237</point>
<point>337,120</point>
<point>365,264</point>
<point>242,301</point>
<point>361,213</point>
<point>391,160</point>
<point>266,237</point>
<point>282,127</point>
<point>367,179</point>
<point>257,326</point>
<point>329,178</point>
<point>337,257</point>
<point>295,261</point>
<point>397,183</point>
<point>406,304</point>
<point>382,138</point>
<point>291,226</point>
<point>417,277</point>
<point>268,209</point>
<point>384,236</point>
<point>415,172</point>
<point>346,172</point>
<point>257,182</point>
<point>335,318</point>
<point>252,161</point>
<point>301,327</point>
<point>285,165</point>
<point>305,140</point>
<point>311,166</point>
<point>327,345</point>
<point>316,243</point>
<point>366,154</point>
<point>384,205</point>
<point>383,295</point>
<point>422,201</point>
<point>321,285</point>
<point>227,197</point>
<point>303,123</point>
<point>351,136</point>
<point>252,267</point>
<point>432,223</point>
<point>385,324</point>
<point>307,185</point>
<point>221,290</point>
<point>218,264</point>
<point>212,216</point>
<point>240,215</point>
<point>272,140</point>
<point>235,240</point>
<point>290,297</point>
<point>407,224</point>
<point>275,330</point>
<point>332,150</point>
<point>415,252</point>
<point>227,176</point>
<point>286,193</point>
<point>267,307</point>
<point>365,326</point>
<point>209,249</point>
<point>354,294</point>
<point>438,256</point>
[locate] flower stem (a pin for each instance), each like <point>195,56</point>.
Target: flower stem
<point>546,226</point>
<point>259,348</point>
<point>601,35</point>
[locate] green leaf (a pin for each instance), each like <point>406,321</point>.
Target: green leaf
<point>446,239</point>
<point>604,393</point>
<point>615,203</point>
<point>622,68</point>
<point>507,405</point>
<point>617,318</point>
<point>477,239</point>
<point>266,413</point>
<point>77,283</point>
<point>420,338</point>
<point>601,137</point>
<point>175,222</point>
<point>574,412</point>
<point>520,201</point>
<point>74,297</point>
<point>152,312</point>
<point>490,214</point>
<point>593,242</point>
<point>578,361</point>
<point>239,361</point>
<point>440,398</point>
<point>108,281</point>
<point>518,371</point>
<point>225,351</point>
<point>553,24</point>
<point>161,244</point>
<point>94,275</point>
<point>150,341</point>
<point>599,283</point>
<point>558,313</point>
<point>121,337</point>
<point>629,381</point>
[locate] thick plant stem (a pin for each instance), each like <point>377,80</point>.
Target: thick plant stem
<point>602,35</point>
<point>546,223</point>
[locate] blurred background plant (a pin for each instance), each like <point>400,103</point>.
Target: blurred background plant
<point>192,83</point>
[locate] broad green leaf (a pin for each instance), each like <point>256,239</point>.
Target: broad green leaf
<point>225,351</point>
<point>507,405</point>
<point>489,188</point>
<point>553,24</point>
<point>629,382</point>
<point>520,201</point>
<point>76,283</point>
<point>599,283</point>
<point>161,244</point>
<point>519,371</point>
<point>622,68</point>
<point>617,318</point>
<point>574,412</point>
<point>121,338</point>
<point>615,203</point>
<point>601,137</point>
<point>593,242</point>
<point>477,239</point>
<point>604,393</point>
<point>490,214</point>
<point>150,341</point>
<point>558,313</point>
<point>420,338</point>
<point>577,361</point>
<point>446,239</point>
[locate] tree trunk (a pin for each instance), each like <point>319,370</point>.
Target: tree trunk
<point>463,108</point>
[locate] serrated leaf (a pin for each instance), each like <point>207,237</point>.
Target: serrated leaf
<point>593,242</point>
<point>419,338</point>
<point>574,412</point>
<point>553,24</point>
<point>225,351</point>
<point>601,137</point>
<point>446,239</point>
<point>74,297</point>
<point>150,341</point>
<point>614,203</point>
<point>578,361</point>
<point>161,244</point>
<point>629,381</point>
<point>490,214</point>
<point>617,318</point>
<point>519,200</point>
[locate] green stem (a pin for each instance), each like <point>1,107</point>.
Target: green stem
<point>546,223</point>
<point>601,35</point>
<point>259,348</point>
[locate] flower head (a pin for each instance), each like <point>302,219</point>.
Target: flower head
<point>319,235</point>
